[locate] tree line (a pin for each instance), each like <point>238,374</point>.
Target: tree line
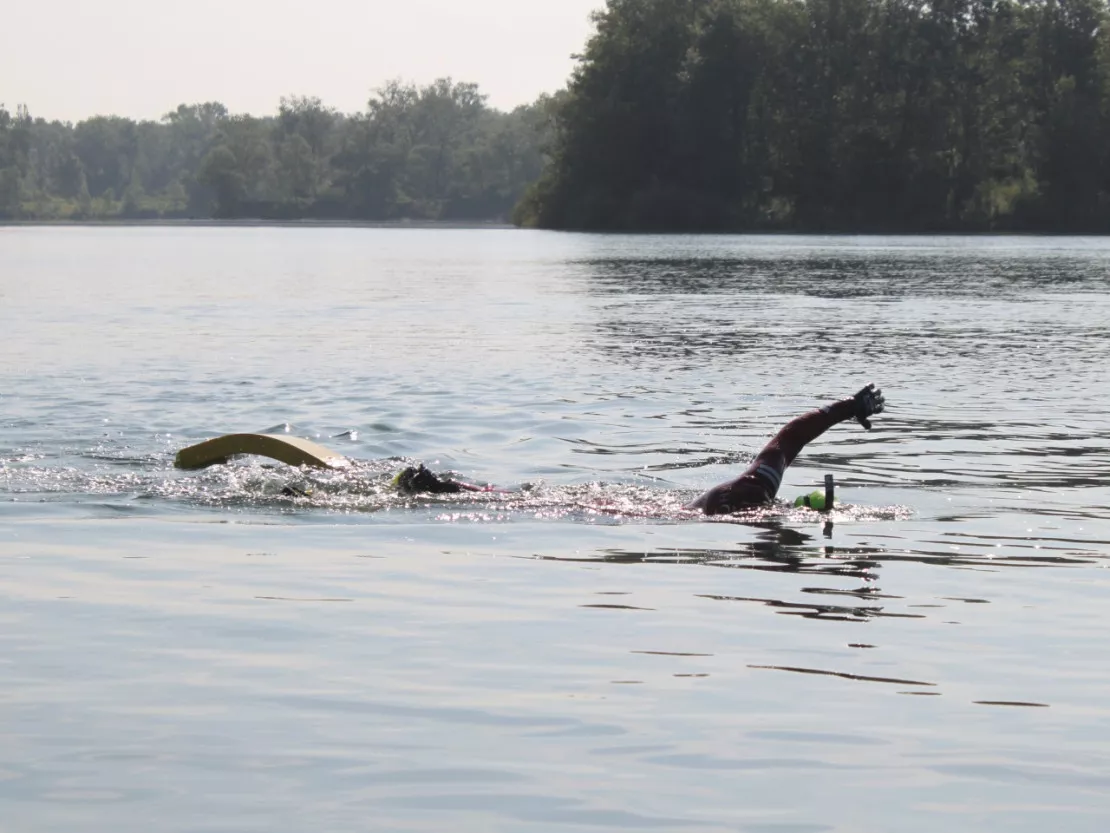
<point>840,115</point>
<point>837,115</point>
<point>435,152</point>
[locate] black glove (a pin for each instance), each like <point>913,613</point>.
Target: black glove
<point>868,401</point>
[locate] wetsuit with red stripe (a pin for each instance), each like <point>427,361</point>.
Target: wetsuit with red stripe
<point>761,480</point>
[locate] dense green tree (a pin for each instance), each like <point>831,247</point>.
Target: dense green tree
<point>107,147</point>
<point>431,152</point>
<point>436,152</point>
<point>15,149</point>
<point>834,114</point>
<point>220,171</point>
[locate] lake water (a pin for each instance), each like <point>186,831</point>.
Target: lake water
<point>201,652</point>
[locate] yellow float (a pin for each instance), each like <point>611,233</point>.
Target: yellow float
<point>293,451</point>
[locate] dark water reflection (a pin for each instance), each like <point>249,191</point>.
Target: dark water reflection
<point>862,273</point>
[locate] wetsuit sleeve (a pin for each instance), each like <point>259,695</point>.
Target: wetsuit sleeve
<point>804,429</point>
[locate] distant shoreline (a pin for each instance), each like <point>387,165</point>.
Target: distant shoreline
<point>463,225</point>
<point>210,223</point>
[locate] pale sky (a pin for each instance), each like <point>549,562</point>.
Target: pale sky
<point>69,59</point>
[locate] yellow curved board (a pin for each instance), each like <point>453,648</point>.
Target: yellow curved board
<point>291,450</point>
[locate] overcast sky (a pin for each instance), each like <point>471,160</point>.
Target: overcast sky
<point>68,59</point>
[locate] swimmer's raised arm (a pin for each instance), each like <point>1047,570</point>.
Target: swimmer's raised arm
<point>761,480</point>
<point>797,433</point>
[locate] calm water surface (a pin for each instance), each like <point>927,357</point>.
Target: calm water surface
<point>201,652</point>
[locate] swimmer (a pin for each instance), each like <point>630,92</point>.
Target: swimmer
<point>758,484</point>
<point>761,480</point>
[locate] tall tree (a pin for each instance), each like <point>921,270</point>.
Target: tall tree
<point>834,114</point>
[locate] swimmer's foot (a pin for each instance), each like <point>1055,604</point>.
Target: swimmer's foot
<point>416,480</point>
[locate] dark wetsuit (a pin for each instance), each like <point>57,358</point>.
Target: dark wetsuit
<point>761,480</point>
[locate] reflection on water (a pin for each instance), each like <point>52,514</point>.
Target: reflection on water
<point>841,674</point>
<point>313,650</point>
<point>859,271</point>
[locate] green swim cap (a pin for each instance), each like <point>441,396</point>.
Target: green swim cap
<point>814,500</point>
